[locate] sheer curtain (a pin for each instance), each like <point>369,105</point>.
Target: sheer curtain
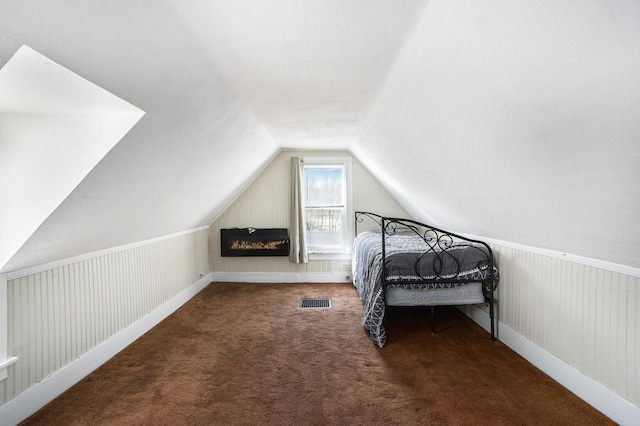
<point>298,236</point>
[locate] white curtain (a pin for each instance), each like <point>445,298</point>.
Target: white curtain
<point>298,236</point>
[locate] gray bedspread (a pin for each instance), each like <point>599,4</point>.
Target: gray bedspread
<point>408,266</point>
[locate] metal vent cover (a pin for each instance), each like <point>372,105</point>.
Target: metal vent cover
<point>315,303</point>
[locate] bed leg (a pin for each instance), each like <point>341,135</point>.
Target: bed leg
<point>491,315</point>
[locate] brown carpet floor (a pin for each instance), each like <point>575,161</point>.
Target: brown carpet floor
<point>246,354</point>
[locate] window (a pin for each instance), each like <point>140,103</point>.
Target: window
<point>327,199</point>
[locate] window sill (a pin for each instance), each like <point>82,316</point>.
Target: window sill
<point>330,255</point>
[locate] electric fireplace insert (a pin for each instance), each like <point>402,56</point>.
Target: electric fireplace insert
<point>240,242</point>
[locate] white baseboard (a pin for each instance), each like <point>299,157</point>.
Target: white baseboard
<point>27,403</point>
<point>617,408</point>
<point>283,277</point>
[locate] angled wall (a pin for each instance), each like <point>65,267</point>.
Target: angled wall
<point>194,150</point>
<point>55,127</point>
<point>518,123</point>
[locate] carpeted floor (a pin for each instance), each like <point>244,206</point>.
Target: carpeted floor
<point>246,354</point>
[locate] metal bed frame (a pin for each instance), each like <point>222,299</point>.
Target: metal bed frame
<point>437,243</point>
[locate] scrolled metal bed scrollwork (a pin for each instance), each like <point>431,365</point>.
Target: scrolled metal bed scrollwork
<point>423,266</point>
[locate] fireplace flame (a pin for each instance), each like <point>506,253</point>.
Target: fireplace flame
<point>256,245</point>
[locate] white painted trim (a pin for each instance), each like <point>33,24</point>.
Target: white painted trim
<point>596,263</point>
<point>4,364</point>
<point>5,360</point>
<point>347,214</point>
<point>335,255</point>
<point>63,262</point>
<point>282,277</point>
<point>617,408</point>
<point>22,406</point>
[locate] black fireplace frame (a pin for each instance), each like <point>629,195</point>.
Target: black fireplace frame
<point>243,242</point>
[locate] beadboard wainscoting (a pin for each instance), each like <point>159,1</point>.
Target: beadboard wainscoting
<point>66,320</point>
<point>577,322</point>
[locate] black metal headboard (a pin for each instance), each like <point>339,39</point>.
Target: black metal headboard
<point>438,248</point>
<point>361,216</point>
<point>437,244</point>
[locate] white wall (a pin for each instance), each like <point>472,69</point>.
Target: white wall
<point>518,121</point>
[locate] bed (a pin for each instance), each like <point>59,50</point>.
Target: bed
<point>424,266</point>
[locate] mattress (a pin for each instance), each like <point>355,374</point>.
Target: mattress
<point>462,295</point>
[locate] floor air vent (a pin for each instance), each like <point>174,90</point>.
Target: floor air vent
<point>315,303</point>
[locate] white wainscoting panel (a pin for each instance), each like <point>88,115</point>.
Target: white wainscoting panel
<point>57,315</point>
<point>586,316</point>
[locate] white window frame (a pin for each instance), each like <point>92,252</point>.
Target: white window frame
<point>344,252</point>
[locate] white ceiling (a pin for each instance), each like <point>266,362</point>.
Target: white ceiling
<point>310,70</point>
<point>511,120</point>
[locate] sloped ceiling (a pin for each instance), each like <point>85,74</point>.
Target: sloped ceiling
<point>55,127</point>
<point>511,120</point>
